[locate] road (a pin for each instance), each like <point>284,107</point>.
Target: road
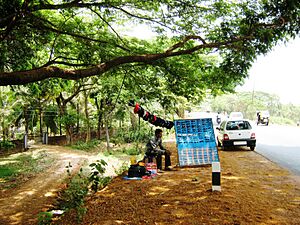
<point>281,144</point>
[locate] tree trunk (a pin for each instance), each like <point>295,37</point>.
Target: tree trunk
<point>107,134</point>
<point>77,126</point>
<point>26,121</point>
<point>100,116</point>
<point>69,134</point>
<point>88,127</point>
<point>60,127</point>
<point>41,122</point>
<point>133,120</point>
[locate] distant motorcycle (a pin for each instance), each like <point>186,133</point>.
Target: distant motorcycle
<point>263,117</point>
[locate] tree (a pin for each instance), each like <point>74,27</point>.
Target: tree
<point>248,103</point>
<point>74,39</point>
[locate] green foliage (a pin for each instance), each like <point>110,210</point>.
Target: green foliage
<point>250,102</point>
<point>7,171</point>
<point>73,196</point>
<point>73,36</point>
<point>6,145</point>
<point>78,187</point>
<point>86,146</point>
<point>125,135</point>
<point>50,118</point>
<point>247,103</point>
<point>282,121</point>
<point>132,151</point>
<point>45,218</point>
<point>214,44</point>
<point>70,118</point>
<point>96,176</point>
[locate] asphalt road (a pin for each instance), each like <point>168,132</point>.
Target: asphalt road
<point>280,144</point>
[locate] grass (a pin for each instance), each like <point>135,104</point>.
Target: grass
<point>6,171</point>
<point>16,169</point>
<point>85,146</point>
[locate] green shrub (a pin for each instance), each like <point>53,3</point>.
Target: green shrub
<point>132,151</point>
<point>130,135</point>
<point>44,218</point>
<point>6,145</point>
<point>73,196</point>
<point>96,176</point>
<point>85,146</point>
<point>78,187</point>
<point>281,121</point>
<point>6,171</point>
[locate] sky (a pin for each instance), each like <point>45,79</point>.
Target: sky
<point>278,73</point>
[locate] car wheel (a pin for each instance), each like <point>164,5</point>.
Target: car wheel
<point>252,148</point>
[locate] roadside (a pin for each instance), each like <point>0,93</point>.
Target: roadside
<point>254,191</point>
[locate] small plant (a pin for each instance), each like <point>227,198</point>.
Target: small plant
<point>96,175</point>
<point>45,218</point>
<point>73,196</point>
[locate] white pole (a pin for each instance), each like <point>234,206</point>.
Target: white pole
<point>216,176</point>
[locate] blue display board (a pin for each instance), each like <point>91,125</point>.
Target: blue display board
<point>196,142</point>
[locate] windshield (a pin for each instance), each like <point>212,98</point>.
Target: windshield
<point>238,125</point>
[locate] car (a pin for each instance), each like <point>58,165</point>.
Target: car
<point>236,115</point>
<point>263,117</point>
<point>234,132</point>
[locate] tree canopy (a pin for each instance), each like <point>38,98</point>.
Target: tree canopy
<point>75,39</point>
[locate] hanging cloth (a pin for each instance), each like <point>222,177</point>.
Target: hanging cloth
<point>147,116</point>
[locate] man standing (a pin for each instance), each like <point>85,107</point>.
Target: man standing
<point>154,148</point>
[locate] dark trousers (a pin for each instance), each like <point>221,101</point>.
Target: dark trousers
<point>159,160</point>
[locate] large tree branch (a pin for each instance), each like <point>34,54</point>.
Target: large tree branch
<point>41,26</point>
<point>24,77</point>
<point>78,4</point>
<point>73,4</point>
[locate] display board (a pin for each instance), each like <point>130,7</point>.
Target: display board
<point>196,143</point>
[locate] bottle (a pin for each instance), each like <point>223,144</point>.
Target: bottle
<point>132,160</point>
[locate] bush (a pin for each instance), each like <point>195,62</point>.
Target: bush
<point>85,146</point>
<point>132,151</point>
<point>281,121</point>
<point>73,196</point>
<point>130,135</point>
<point>78,187</point>
<point>96,176</point>
<point>6,145</point>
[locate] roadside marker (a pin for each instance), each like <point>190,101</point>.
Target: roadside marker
<point>216,176</point>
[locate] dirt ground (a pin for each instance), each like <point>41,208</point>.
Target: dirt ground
<point>254,190</point>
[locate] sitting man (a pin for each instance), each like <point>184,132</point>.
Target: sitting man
<point>154,148</point>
